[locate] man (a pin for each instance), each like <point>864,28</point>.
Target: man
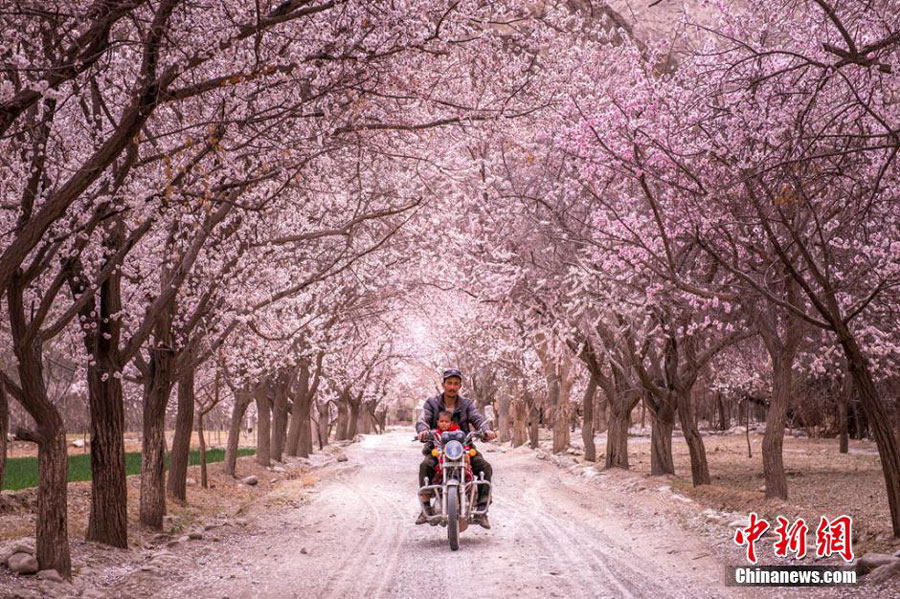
<point>467,416</point>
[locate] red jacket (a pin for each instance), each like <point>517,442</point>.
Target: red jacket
<point>453,427</point>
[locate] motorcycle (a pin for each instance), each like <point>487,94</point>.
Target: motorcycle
<point>455,487</point>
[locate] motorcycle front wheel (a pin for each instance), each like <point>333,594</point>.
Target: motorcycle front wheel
<point>453,515</point>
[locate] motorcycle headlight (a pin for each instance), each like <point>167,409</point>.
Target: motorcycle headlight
<point>453,450</point>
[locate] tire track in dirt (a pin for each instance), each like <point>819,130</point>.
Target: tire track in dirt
<point>587,557</point>
<point>400,532</point>
<point>550,546</point>
<point>386,532</point>
<point>351,571</point>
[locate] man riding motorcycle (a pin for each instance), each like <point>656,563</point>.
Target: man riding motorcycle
<point>467,416</point>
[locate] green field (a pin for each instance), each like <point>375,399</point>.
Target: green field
<point>22,473</point>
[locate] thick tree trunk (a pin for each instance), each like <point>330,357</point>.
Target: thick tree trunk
<point>343,421</point>
<point>364,425</point>
<point>885,439</point>
<point>505,424</point>
<point>52,546</point>
<point>176,484</point>
<point>153,457</point>
<point>263,426</point>
<point>108,520</point>
<point>600,417</point>
<point>204,481</point>
<point>699,465</point>
<point>4,431</point>
<point>242,399</point>
<point>322,425</point>
<point>661,406</point>
<point>299,425</point>
<point>52,532</point>
<point>617,437</point>
<point>520,423</point>
<point>52,527</point>
<point>300,415</point>
<point>724,420</point>
<point>279,420</point>
<point>534,427</point>
<point>560,415</point>
<point>587,427</point>
<point>773,439</point>
<point>662,423</point>
<point>353,419</point>
<point>305,444</point>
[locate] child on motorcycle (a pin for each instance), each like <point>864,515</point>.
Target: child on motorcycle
<point>444,423</point>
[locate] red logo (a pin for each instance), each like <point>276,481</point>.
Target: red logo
<point>835,537</point>
<point>791,540</point>
<point>832,537</point>
<point>748,536</point>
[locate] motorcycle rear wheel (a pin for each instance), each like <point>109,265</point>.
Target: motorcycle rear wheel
<point>453,516</point>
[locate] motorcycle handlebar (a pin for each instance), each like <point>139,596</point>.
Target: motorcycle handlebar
<point>429,436</point>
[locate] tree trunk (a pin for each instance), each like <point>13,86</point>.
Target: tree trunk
<point>699,465</point>
<point>353,418</point>
<point>52,527</point>
<point>242,399</point>
<point>299,424</point>
<point>878,419</point>
<point>279,424</point>
<point>600,417</point>
<point>108,519</point>
<point>617,436</point>
<point>587,427</point>
<point>505,420</point>
<point>4,431</point>
<point>343,424</point>
<point>534,428</point>
<point>322,425</point>
<point>263,425</point>
<point>176,484</point>
<point>724,421</point>
<point>561,432</point>
<point>306,434</point>
<point>773,439</point>
<point>52,546</point>
<point>204,481</point>
<point>559,414</point>
<point>662,423</point>
<point>153,457</point>
<point>843,406</point>
<point>364,425</point>
<point>381,420</point>
<point>520,423</point>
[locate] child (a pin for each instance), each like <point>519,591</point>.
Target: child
<point>444,423</point>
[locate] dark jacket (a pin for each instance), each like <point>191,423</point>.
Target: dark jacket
<point>464,415</point>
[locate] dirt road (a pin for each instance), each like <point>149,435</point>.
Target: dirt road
<point>552,536</point>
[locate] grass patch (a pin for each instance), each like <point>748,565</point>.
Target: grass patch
<point>22,473</point>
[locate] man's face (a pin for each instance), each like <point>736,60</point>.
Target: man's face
<point>451,387</point>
